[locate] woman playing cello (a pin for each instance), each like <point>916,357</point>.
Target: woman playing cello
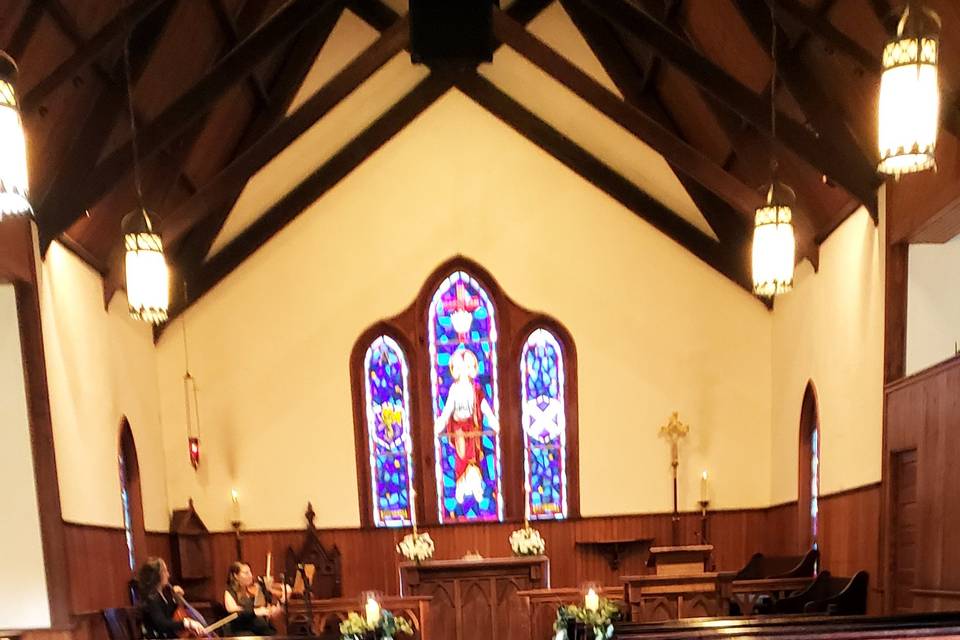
<point>162,604</point>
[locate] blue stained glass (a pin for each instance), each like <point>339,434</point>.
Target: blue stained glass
<point>388,432</point>
<point>544,426</point>
<point>463,357</point>
<point>127,514</point>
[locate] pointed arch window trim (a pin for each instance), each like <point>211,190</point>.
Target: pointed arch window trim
<point>410,329</point>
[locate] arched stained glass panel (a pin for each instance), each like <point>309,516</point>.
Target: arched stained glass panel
<point>388,432</point>
<point>543,407</point>
<point>463,382</point>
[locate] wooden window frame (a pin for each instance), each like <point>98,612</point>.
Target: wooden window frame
<point>409,329</point>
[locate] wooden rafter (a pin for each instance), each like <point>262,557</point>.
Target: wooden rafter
<point>177,117</point>
<point>92,49</point>
<point>516,116</point>
<point>299,59</point>
<point>852,174</point>
<point>229,29</point>
<point>25,30</point>
<point>321,180</point>
<point>826,116</point>
<point>272,142</point>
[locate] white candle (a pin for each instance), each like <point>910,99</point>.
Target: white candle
<point>591,601</point>
<point>372,610</point>
<point>235,497</point>
<point>269,562</point>
<point>703,486</point>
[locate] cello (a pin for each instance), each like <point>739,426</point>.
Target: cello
<point>185,610</point>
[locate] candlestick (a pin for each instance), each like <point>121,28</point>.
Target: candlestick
<point>703,486</point>
<point>591,601</point>
<point>413,511</point>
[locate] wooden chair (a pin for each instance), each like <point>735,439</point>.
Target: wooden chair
<point>123,623</point>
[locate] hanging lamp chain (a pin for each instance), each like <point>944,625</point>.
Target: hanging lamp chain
<point>128,79</point>
<point>773,91</point>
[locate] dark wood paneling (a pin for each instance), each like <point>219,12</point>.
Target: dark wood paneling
<point>98,567</point>
<point>849,542</point>
<point>923,413</point>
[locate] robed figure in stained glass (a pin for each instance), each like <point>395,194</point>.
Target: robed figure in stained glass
<point>463,376</point>
<point>462,422</point>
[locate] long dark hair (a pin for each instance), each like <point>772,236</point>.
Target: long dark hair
<point>232,583</point>
<point>149,576</point>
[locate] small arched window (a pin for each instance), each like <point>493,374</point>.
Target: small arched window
<point>388,432</point>
<point>544,421</point>
<point>131,498</point>
<point>809,469</point>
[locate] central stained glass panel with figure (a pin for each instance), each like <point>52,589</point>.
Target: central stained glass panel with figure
<point>463,377</point>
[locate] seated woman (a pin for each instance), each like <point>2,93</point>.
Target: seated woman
<point>254,605</point>
<point>159,602</point>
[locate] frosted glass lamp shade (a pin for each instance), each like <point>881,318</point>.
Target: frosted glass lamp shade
<point>147,275</point>
<point>909,107</point>
<point>14,186</point>
<point>774,245</point>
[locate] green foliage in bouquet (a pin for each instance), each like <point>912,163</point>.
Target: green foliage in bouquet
<point>599,621</point>
<point>355,627</point>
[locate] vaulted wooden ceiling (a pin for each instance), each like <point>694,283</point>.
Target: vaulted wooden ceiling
<point>214,81</point>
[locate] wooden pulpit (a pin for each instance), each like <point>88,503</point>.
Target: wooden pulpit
<point>476,599</point>
<point>680,588</point>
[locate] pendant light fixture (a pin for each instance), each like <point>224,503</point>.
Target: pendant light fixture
<point>774,246</point>
<point>14,186</point>
<point>909,108</point>
<point>147,275</point>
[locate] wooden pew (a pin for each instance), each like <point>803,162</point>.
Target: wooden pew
<point>541,606</point>
<point>770,578</point>
<point>796,627</point>
<point>829,594</point>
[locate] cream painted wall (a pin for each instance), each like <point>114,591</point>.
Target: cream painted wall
<point>656,330</point>
<point>829,329</point>
<point>100,367</point>
<point>23,582</point>
<point>933,312</point>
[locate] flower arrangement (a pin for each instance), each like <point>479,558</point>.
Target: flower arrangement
<point>356,627</point>
<point>416,547</point>
<point>527,541</point>
<point>599,620</point>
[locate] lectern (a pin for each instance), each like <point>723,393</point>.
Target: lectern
<point>681,587</point>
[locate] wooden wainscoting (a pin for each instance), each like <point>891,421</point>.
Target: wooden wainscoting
<point>370,562</point>
<point>922,417</point>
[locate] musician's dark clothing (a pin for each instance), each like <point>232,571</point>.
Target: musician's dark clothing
<point>248,623</point>
<point>158,609</point>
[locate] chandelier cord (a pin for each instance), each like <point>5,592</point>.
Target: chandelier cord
<point>128,78</point>
<point>183,324</point>
<point>773,90</point>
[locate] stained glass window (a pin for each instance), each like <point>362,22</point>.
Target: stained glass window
<point>463,382</point>
<point>127,514</point>
<point>814,482</point>
<point>388,432</point>
<point>544,426</point>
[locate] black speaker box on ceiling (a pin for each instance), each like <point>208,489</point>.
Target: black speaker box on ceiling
<point>451,32</point>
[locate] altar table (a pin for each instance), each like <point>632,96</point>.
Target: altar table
<point>476,599</point>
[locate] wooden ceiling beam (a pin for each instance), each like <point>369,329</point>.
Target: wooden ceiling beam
<point>299,59</point>
<point>321,180</point>
<point>677,153</point>
<point>581,162</point>
<point>91,50</point>
<point>177,117</point>
<point>25,30</point>
<point>235,175</point>
<point>858,179</point>
<point>374,13</point>
<point>232,35</point>
<point>818,25</point>
<point>824,114</point>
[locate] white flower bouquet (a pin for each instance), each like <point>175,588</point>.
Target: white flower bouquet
<point>416,547</point>
<point>527,542</point>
